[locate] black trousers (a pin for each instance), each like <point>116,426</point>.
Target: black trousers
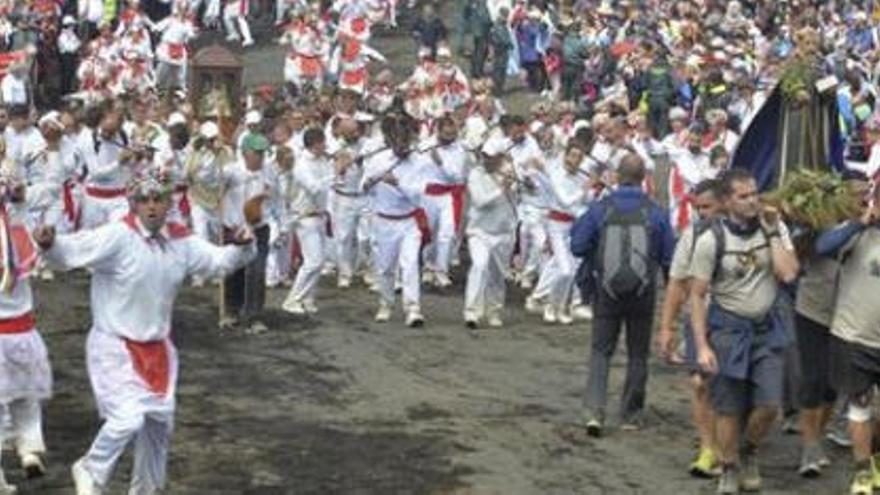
<point>479,55</point>
<point>571,80</point>
<point>245,289</point>
<point>536,75</point>
<point>69,64</point>
<point>609,319</point>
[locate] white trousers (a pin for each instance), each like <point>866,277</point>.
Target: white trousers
<point>490,258</point>
<point>397,245</point>
<point>205,223</point>
<point>98,211</point>
<point>233,17</point>
<point>23,426</point>
<point>350,233</point>
<point>557,277</point>
<point>278,264</point>
<point>444,237</point>
<point>312,241</point>
<point>131,413</point>
<point>532,238</point>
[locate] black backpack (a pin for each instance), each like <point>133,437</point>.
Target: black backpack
<point>623,262</point>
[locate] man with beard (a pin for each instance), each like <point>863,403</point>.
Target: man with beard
<point>137,265</point>
<point>739,333</point>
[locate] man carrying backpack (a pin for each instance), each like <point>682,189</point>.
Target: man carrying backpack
<point>625,238</point>
<point>740,334</point>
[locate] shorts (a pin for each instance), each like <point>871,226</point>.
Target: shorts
<point>814,342</point>
<point>762,387</point>
<point>855,368</point>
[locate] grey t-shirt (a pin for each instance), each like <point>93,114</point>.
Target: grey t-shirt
<point>680,268</point>
<point>857,314</point>
<point>745,284</point>
<point>816,290</point>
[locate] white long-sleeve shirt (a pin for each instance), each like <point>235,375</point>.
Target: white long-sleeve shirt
<point>135,279</point>
<point>106,171</point>
<point>312,177</point>
<point>563,191</point>
<point>406,196</point>
<point>492,210</point>
<point>453,166</point>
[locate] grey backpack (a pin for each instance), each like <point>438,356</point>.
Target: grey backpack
<point>624,266</point>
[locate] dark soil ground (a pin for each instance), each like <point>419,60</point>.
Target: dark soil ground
<point>337,404</point>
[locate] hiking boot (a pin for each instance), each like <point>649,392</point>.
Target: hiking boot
<point>728,482</point>
<point>33,466</point>
<point>706,464</point>
<point>750,479</point>
<point>811,458</point>
<point>594,427</point>
<point>862,483</point>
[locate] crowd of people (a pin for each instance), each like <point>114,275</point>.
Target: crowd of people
<point>618,173</point>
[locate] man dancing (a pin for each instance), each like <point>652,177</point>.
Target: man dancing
<point>138,265</point>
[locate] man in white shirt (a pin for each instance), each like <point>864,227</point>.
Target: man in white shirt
<point>567,189</point>
<point>109,171</point>
<point>394,180</point>
<point>444,199</point>
<point>312,177</point>
<point>137,265</point>
<point>25,372</point>
<point>490,235</point>
<point>14,88</point>
<point>532,208</point>
<point>250,184</point>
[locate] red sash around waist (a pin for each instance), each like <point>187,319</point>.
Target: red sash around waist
<point>105,193</point>
<point>457,191</point>
<point>17,324</point>
<point>151,363</point>
<point>560,216</point>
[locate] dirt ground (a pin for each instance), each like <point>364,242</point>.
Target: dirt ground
<point>337,404</point>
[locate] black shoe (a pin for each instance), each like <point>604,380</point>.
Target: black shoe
<point>470,324</point>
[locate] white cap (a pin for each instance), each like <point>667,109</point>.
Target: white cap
<point>52,118</point>
<point>494,147</point>
<point>175,119</point>
<point>444,51</point>
<point>363,117</point>
<point>68,21</point>
<point>209,130</point>
<point>678,113</point>
<point>253,117</point>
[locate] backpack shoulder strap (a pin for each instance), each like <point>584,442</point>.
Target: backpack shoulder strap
<point>717,229</point>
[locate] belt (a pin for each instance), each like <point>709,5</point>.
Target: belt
<point>105,193</point>
<point>314,214</point>
<point>404,216</point>
<point>347,194</point>
<point>18,324</point>
<point>560,216</point>
<point>421,222</point>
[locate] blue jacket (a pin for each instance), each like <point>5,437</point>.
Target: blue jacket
<point>733,338</point>
<point>586,231</point>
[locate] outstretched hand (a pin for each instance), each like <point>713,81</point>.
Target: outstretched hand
<point>242,236</point>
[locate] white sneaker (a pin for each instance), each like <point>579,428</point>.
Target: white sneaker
<point>428,277</point>
<point>293,306</point>
<point>232,37</point>
<point>309,305</point>
<point>525,282</point>
<point>344,282</point>
<point>328,270</point>
<point>442,280</point>
<point>7,489</point>
<point>414,318</point>
<point>85,484</point>
<point>494,321</point>
<point>384,313</point>
<point>33,466</point>
<point>533,305</point>
<point>582,312</point>
<point>563,317</point>
<point>247,43</point>
<point>198,282</point>
<point>47,275</point>
<point>549,314</point>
